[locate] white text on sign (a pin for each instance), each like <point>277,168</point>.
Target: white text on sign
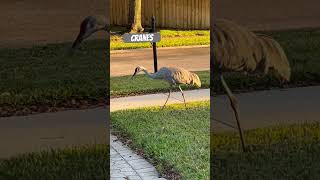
<point>142,37</point>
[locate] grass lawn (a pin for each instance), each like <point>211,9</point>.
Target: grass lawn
<point>51,75</point>
<point>285,152</point>
<point>141,84</point>
<point>74,163</point>
<point>182,144</point>
<point>169,38</point>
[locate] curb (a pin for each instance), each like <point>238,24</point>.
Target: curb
<point>143,49</point>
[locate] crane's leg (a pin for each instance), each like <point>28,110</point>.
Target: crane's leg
<point>167,99</point>
<point>234,105</point>
<point>184,100</point>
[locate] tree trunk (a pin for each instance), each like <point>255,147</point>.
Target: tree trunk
<point>135,16</point>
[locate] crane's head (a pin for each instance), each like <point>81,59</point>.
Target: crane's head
<point>137,70</point>
<point>88,26</point>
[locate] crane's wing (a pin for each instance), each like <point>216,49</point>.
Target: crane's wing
<point>235,48</point>
<point>179,76</point>
<point>238,49</point>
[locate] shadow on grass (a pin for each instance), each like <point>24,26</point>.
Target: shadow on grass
<point>73,163</point>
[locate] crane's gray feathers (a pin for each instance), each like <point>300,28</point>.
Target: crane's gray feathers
<point>178,76</point>
<point>237,49</point>
<point>173,75</point>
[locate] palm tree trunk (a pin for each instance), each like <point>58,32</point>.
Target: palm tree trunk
<point>135,16</point>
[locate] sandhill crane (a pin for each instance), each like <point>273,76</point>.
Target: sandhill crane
<point>239,50</point>
<point>174,76</point>
<point>89,26</point>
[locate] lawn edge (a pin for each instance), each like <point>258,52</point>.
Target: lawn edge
<point>127,50</point>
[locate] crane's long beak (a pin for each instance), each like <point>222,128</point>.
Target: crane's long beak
<point>77,42</point>
<point>135,72</point>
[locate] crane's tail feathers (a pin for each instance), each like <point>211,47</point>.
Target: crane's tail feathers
<point>275,57</point>
<point>196,80</point>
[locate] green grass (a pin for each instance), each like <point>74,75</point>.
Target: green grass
<point>73,163</point>
<point>124,86</point>
<point>51,74</point>
<point>184,142</point>
<point>284,152</point>
<point>169,38</point>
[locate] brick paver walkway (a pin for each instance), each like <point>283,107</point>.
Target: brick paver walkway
<point>126,165</point>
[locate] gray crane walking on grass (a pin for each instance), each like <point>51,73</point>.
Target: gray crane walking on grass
<point>88,26</point>
<point>174,76</point>
<point>236,49</point>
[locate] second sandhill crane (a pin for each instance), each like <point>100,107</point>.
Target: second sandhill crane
<point>236,49</point>
<point>88,26</point>
<point>174,76</point>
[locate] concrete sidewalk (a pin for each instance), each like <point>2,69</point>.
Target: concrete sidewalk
<point>191,58</point>
<point>269,108</point>
<point>157,99</point>
<point>34,133</point>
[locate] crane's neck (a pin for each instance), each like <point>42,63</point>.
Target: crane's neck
<point>152,76</point>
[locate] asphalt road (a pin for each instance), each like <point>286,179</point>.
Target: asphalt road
<point>190,58</point>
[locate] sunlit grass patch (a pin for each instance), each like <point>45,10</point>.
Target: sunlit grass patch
<point>169,38</point>
<point>175,136</point>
